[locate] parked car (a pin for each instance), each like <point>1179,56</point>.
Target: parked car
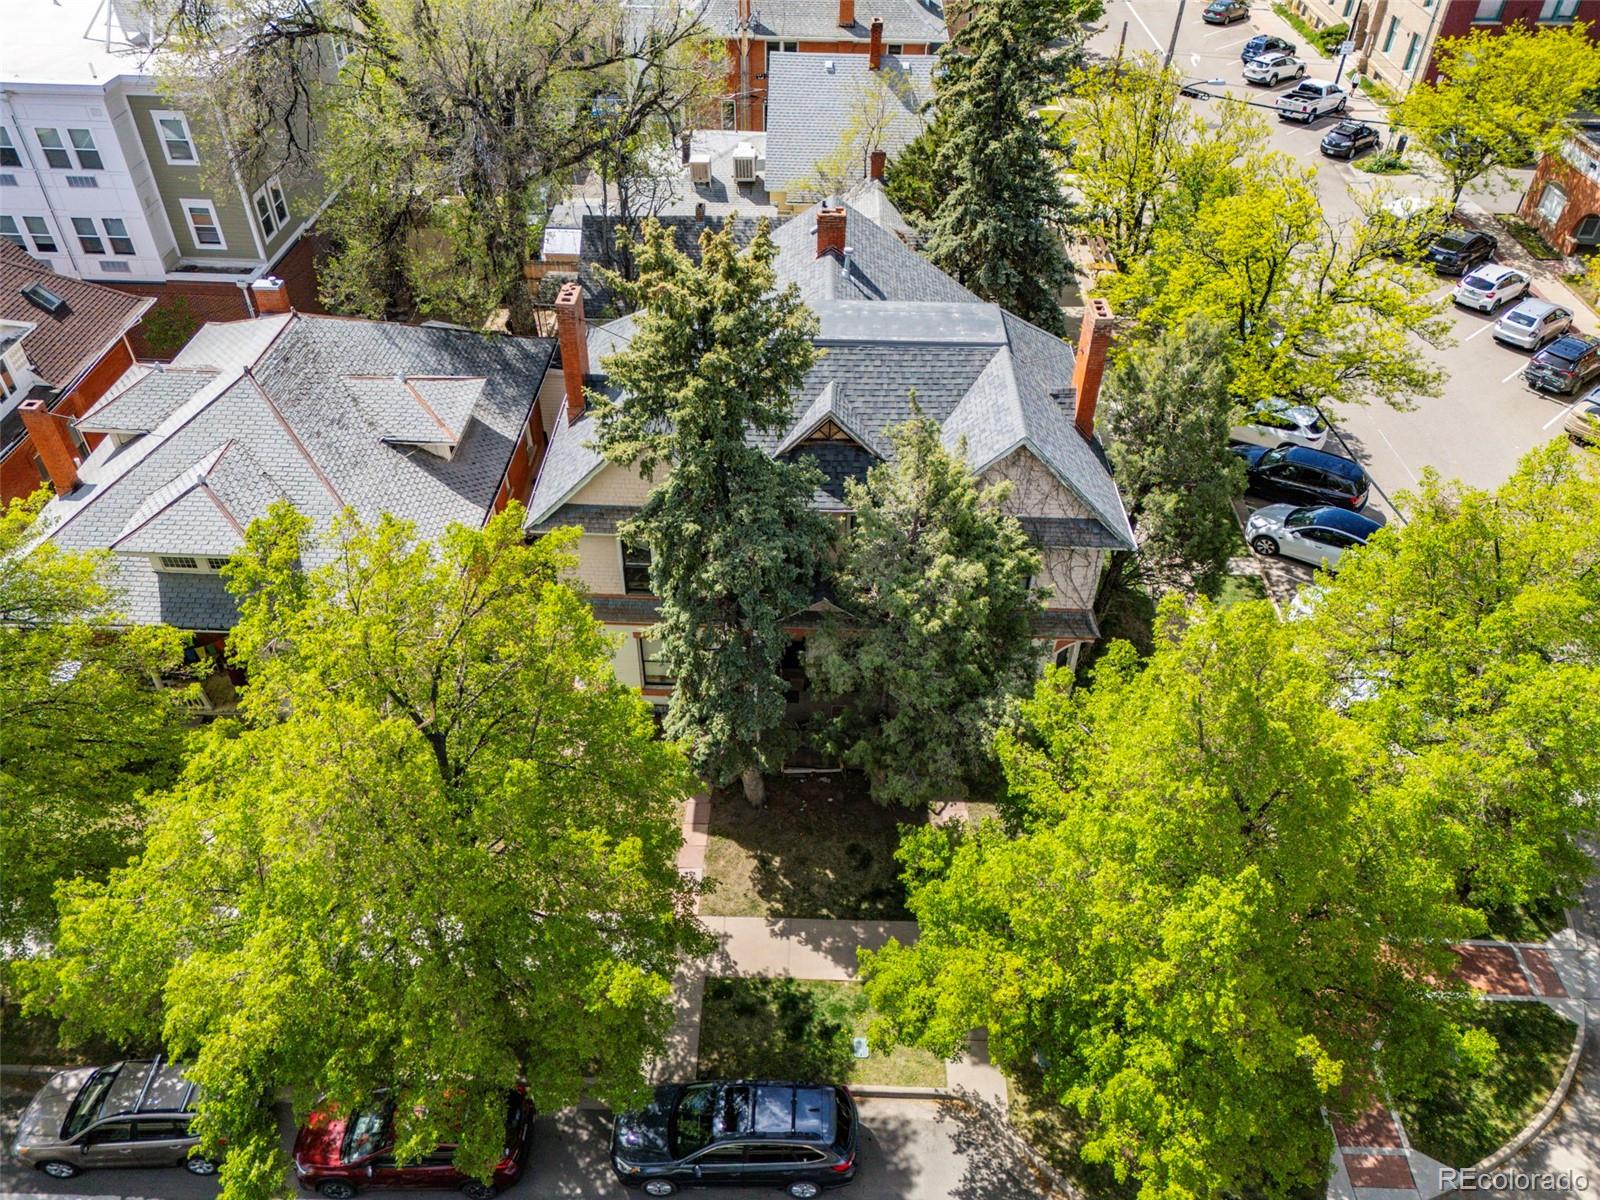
<point>1531,324</point>
<point>1277,422</point>
<point>1583,420</point>
<point>133,1113</point>
<point>1490,286</point>
<point>1349,138</point>
<point>1565,365</point>
<point>1301,475</point>
<point>340,1155</point>
<point>1310,99</point>
<point>1225,12</point>
<point>1318,535</point>
<point>797,1136</point>
<point>1265,43</point>
<point>1406,226</point>
<point>1273,69</point>
<point>1459,250</point>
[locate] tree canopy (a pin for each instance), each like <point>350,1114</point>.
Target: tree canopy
<point>436,854</point>
<point>1198,927</point>
<point>717,353</point>
<point>1500,98</point>
<point>936,634</point>
<point>84,732</point>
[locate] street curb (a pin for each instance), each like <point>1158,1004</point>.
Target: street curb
<point>886,1091</point>
<point>20,1069</point>
<point>1546,1114</point>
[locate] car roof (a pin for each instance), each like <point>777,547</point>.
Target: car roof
<point>796,1110</point>
<point>1568,345</point>
<point>1273,56</point>
<point>1458,237</point>
<point>1332,463</point>
<point>1344,520</point>
<point>1492,270</point>
<point>1348,127</point>
<point>1532,307</point>
<point>147,1087</point>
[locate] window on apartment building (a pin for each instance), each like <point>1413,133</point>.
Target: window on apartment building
<point>1558,10</point>
<point>1489,10</point>
<point>55,153</point>
<point>791,47</point>
<point>9,231</point>
<point>117,233</point>
<point>1411,50</point>
<point>1388,39</point>
<point>204,227</point>
<point>176,141</point>
<point>635,568</point>
<point>1349,6</point>
<point>653,664</point>
<point>1587,232</point>
<point>1552,203</point>
<point>83,146</point>
<point>894,48</point>
<point>8,150</point>
<point>39,233</point>
<point>272,209</point>
<point>88,235</point>
<point>727,114</point>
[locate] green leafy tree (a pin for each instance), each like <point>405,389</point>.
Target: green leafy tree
<point>444,125</point>
<point>717,354</point>
<point>933,578</point>
<point>874,109</point>
<point>1467,641</point>
<point>436,855</point>
<point>911,178</point>
<point>997,225</point>
<point>84,733</point>
<point>1165,429</point>
<point>1313,311</point>
<point>1501,97</point>
<point>1198,929</point>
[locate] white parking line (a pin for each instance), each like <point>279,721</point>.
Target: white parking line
<point>1512,376</point>
<point>1484,328</point>
<point>1154,40</point>
<point>1563,414</point>
<point>1397,457</point>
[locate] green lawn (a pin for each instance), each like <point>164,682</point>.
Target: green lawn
<point>1237,588</point>
<point>1470,1116</point>
<point>819,848</point>
<point>1530,238</point>
<point>800,1029</point>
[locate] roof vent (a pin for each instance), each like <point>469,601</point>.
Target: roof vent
<point>828,66</point>
<point>42,297</point>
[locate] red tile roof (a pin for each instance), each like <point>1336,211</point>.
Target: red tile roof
<point>64,345</point>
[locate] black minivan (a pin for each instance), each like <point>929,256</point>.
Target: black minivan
<point>797,1136</point>
<point>1301,475</point>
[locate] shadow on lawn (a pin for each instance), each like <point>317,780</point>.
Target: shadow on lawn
<point>771,1029</point>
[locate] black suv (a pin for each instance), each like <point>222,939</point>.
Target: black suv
<point>1301,475</point>
<point>1349,138</point>
<point>1458,251</point>
<point>1564,365</point>
<point>797,1136</point>
<point>1262,44</point>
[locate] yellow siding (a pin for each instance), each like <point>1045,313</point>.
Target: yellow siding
<point>600,563</point>
<point>616,485</point>
<point>626,661</point>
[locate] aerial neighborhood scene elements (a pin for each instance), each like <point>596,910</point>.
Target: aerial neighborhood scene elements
<point>927,599</point>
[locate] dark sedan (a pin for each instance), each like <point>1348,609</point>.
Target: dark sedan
<point>1565,365</point>
<point>1349,138</point>
<point>1225,12</point>
<point>797,1136</point>
<point>1265,43</point>
<point>1301,475</point>
<point>1457,252</point>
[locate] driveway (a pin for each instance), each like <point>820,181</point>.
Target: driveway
<point>927,1149</point>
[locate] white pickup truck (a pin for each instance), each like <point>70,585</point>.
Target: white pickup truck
<point>1308,100</point>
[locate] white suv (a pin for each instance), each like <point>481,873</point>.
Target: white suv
<point>1487,287</point>
<point>1272,423</point>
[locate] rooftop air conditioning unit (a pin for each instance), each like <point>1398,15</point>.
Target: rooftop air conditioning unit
<point>744,163</point>
<point>699,168</point>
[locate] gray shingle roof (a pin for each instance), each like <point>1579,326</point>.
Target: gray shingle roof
<point>894,328</point>
<point>139,407</point>
<point>813,98</point>
<point>280,417</point>
<point>903,20</point>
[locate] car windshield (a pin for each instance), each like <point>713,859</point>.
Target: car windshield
<point>1478,283</point>
<point>1300,518</point>
<point>365,1135</point>
<point>691,1122</point>
<point>1451,242</point>
<point>89,1101</point>
<point>1520,318</point>
<point>1347,130</point>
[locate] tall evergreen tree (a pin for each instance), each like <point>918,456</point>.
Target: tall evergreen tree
<point>716,355</point>
<point>934,578</point>
<point>995,229</point>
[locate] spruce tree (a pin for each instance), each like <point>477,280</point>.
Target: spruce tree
<point>717,354</point>
<point>995,228</point>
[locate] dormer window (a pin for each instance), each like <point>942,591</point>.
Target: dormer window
<point>190,563</point>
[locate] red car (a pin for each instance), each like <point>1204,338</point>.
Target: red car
<point>338,1156</point>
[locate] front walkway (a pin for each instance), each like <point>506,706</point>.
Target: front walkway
<point>795,948</point>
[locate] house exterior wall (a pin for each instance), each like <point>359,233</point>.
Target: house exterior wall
<point>1568,185</point>
<point>176,183</point>
<point>19,471</point>
<point>1072,575</point>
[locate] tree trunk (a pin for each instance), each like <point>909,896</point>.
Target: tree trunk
<point>755,787</point>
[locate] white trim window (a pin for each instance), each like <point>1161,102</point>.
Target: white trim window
<point>204,228</point>
<point>117,234</point>
<point>9,157</point>
<point>88,236</point>
<point>272,208</point>
<point>177,143</point>
<point>39,231</point>
<point>1552,202</point>
<point>10,232</point>
<point>55,150</point>
<point>87,152</point>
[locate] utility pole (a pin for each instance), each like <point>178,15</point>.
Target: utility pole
<point>1121,41</point>
<point>1349,40</point>
<point>1172,46</point>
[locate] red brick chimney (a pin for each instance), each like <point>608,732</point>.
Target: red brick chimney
<point>573,336</point>
<point>1093,341</point>
<point>875,50</point>
<point>830,232</point>
<point>270,295</point>
<point>847,13</point>
<point>52,438</point>
<point>876,162</point>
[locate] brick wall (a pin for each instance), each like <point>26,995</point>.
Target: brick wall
<point>19,473</point>
<point>1457,20</point>
<point>1583,199</point>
